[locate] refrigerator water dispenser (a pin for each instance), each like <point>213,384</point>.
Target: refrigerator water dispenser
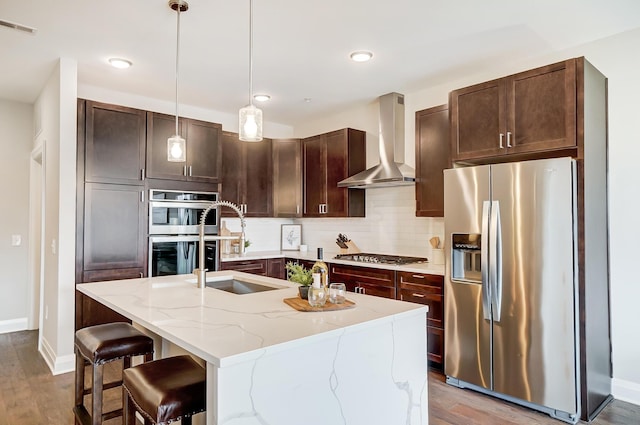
<point>466,265</point>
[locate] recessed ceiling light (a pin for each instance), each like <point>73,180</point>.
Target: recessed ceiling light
<point>120,63</point>
<point>262,97</point>
<point>361,56</point>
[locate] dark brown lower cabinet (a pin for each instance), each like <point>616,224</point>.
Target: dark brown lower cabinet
<point>429,290</point>
<point>272,267</point>
<point>365,280</point>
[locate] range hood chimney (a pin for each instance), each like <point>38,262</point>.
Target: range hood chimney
<point>392,171</point>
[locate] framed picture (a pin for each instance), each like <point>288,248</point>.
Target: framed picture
<point>291,237</point>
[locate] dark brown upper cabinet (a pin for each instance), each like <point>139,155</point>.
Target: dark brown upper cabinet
<point>287,177</point>
<point>203,149</point>
<point>432,158</point>
<point>525,113</point>
<point>329,158</point>
<point>114,143</point>
<point>246,176</point>
<point>114,228</point>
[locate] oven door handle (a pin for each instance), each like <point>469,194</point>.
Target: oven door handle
<point>180,204</point>
<point>153,239</point>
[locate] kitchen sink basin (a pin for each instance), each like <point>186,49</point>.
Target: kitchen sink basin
<point>239,287</point>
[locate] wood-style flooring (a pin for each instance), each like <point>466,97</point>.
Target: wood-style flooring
<point>30,395</point>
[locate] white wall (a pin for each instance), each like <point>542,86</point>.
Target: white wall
<point>16,127</point>
<point>57,104</point>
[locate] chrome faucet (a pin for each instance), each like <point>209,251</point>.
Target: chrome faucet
<point>201,272</point>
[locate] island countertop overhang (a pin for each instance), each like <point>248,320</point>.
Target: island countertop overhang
<point>224,328</point>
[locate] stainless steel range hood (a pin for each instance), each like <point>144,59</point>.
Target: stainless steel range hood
<point>392,171</point>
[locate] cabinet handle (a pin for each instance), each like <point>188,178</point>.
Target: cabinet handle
<point>417,295</point>
<point>417,276</point>
<point>142,174</point>
<point>319,208</point>
<point>501,138</point>
<point>142,196</point>
<point>141,276</point>
<point>190,174</point>
<point>509,145</point>
<point>297,209</point>
<point>184,170</point>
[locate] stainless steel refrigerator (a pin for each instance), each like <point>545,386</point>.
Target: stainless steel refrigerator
<point>511,287</point>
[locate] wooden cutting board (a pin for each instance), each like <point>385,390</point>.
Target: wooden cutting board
<point>303,305</point>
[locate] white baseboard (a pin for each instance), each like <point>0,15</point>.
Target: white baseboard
<point>626,391</point>
<point>13,325</point>
<point>57,365</point>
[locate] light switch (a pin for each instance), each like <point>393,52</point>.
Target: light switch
<point>53,247</point>
<point>16,240</point>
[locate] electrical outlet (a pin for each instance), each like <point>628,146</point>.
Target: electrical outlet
<point>16,240</point>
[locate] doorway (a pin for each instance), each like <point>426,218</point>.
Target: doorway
<point>36,243</point>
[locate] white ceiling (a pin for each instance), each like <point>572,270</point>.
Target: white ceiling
<point>301,48</point>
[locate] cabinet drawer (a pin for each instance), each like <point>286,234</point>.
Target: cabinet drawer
<point>258,267</point>
<point>434,301</point>
<point>363,275</point>
<point>430,280</point>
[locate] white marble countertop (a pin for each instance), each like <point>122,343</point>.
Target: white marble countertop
<point>427,268</point>
<point>225,328</point>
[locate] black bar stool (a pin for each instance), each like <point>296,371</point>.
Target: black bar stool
<point>165,390</point>
<point>96,346</point>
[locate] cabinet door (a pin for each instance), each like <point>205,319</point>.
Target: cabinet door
<point>315,183</point>
<point>477,120</point>
<point>287,178</point>
<point>432,158</point>
<point>115,143</point>
<point>542,111</point>
<point>159,128</point>
<point>258,176</point>
<point>114,227</point>
<point>337,169</point>
<point>232,172</point>
<point>203,151</point>
<point>275,268</point>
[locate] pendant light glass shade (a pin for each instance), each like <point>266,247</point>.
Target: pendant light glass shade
<point>176,149</point>
<point>250,124</point>
<point>176,145</point>
<point>250,117</point>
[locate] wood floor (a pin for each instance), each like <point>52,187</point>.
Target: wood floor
<point>30,395</point>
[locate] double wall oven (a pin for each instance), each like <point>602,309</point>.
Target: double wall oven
<point>174,218</point>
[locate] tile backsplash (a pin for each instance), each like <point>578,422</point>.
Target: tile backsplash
<point>390,227</point>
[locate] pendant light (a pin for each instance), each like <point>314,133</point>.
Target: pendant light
<point>176,145</point>
<point>250,116</point>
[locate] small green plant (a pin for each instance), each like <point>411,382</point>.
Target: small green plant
<point>297,273</point>
<point>247,243</point>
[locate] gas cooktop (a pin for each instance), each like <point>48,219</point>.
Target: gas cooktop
<point>364,257</point>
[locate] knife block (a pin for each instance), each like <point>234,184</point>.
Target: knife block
<point>351,248</point>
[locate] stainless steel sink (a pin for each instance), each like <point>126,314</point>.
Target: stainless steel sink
<point>239,287</point>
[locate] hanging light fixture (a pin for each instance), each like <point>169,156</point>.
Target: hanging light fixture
<point>176,145</point>
<point>250,116</point>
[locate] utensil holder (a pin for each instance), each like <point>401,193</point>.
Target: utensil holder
<point>351,248</point>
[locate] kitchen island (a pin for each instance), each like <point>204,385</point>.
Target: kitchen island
<point>270,364</point>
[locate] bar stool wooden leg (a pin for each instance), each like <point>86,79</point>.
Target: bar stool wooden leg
<point>96,394</point>
<point>80,364</point>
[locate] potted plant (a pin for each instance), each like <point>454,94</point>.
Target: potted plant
<point>298,274</point>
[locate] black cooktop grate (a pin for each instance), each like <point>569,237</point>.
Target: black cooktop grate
<point>365,257</point>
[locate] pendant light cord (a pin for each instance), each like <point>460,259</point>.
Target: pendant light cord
<point>251,52</point>
<point>177,62</point>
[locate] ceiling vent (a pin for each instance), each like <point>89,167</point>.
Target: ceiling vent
<point>18,27</point>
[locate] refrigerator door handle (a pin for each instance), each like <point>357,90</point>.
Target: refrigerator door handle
<point>495,267</point>
<point>484,260</point>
